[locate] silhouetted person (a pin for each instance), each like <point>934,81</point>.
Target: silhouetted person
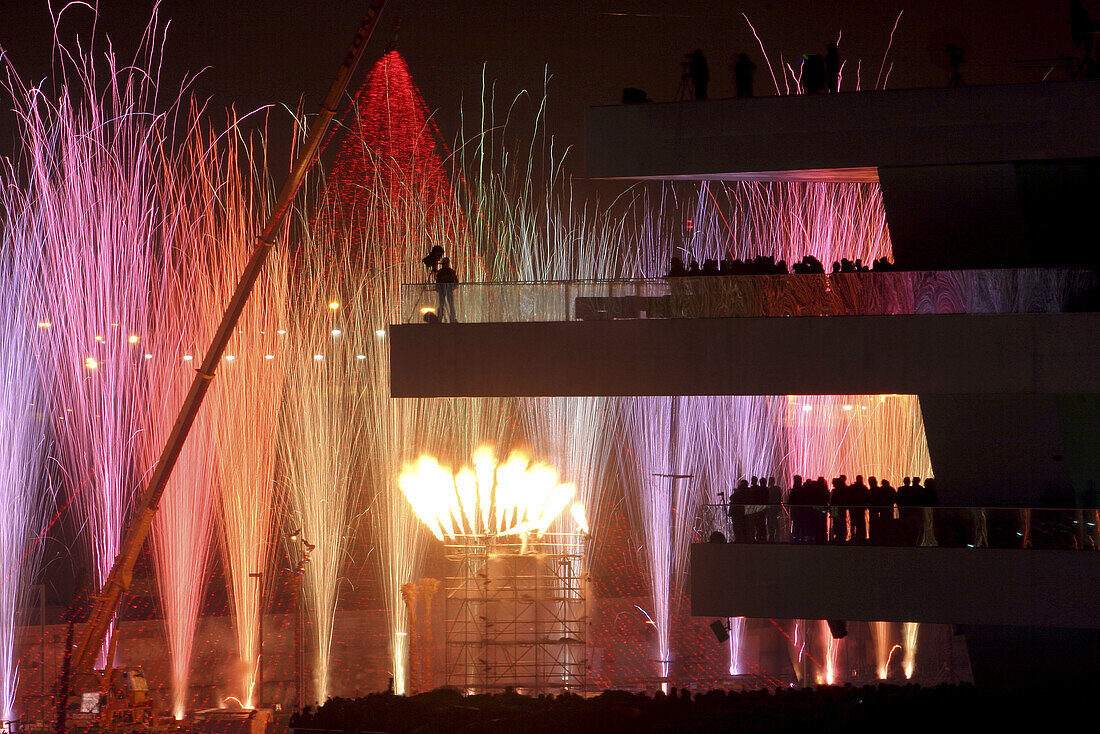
<point>677,269</point>
<point>859,498</point>
<point>883,499</point>
<point>1082,29</point>
<point>797,500</point>
<point>695,270</point>
<point>445,280</point>
<point>832,68</point>
<point>775,508</point>
<point>738,499</point>
<point>700,73</point>
<point>838,510</point>
<point>818,498</point>
<point>955,60</point>
<point>813,73</point>
<point>909,512</point>
<point>742,76</point>
<point>756,512</point>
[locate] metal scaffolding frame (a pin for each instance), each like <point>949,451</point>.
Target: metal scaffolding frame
<point>515,613</point>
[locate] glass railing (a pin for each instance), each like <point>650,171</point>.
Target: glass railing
<point>954,527</point>
<point>843,294</point>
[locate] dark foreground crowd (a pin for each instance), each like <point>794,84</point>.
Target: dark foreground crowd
<point>882,708</point>
<point>768,265</point>
<point>876,513</point>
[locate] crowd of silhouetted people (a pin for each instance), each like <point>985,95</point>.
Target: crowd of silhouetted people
<point>859,512</point>
<point>850,709</point>
<point>768,265</point>
<point>875,512</point>
<point>855,512</point>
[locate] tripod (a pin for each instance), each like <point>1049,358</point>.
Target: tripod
<point>686,90</point>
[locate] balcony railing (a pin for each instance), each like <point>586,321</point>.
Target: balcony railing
<point>957,527</point>
<point>885,293</point>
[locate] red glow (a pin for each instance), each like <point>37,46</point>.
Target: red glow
<point>392,156</point>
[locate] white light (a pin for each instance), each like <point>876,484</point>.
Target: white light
<point>847,407</point>
<point>281,332</point>
<point>379,332</point>
<point>318,357</point>
<point>360,356</point>
<point>187,358</point>
<point>133,339</point>
<point>91,363</point>
<point>336,332</point>
<point>229,358</point>
<point>269,356</point>
<point>148,356</point>
<point>807,407</point>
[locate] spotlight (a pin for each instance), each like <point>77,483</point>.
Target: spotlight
<point>281,332</point>
<point>133,339</point>
<point>296,534</point>
<point>44,324</point>
<point>148,356</point>
<point>336,332</point>
<point>334,305</point>
<point>91,363</point>
<point>379,332</point>
<point>318,357</point>
<point>187,358</point>
<point>229,358</point>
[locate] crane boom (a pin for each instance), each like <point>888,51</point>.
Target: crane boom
<point>106,602</point>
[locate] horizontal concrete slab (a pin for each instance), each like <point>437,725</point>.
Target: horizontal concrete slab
<point>959,354</point>
<point>843,136</point>
<point>982,586</point>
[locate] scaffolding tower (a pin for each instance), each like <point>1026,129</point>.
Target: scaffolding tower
<point>515,614</point>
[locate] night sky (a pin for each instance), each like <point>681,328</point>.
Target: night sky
<point>277,51</point>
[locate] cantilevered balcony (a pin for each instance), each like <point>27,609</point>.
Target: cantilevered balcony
<point>950,332</point>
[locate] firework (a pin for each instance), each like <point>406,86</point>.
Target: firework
<point>322,431</point>
<point>246,401</point>
<point>183,528</point>
<point>91,162</point>
<point>664,446</point>
<point>909,631</point>
<point>26,413</point>
<point>829,673</point>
